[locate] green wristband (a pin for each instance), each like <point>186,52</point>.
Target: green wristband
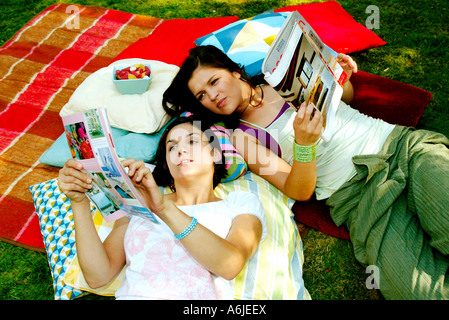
<point>304,153</point>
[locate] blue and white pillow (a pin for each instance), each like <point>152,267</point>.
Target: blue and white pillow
<point>56,222</point>
<point>139,146</point>
<point>247,41</point>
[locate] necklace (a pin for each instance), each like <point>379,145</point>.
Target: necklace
<point>252,97</point>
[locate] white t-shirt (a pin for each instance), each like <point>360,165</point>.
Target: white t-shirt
<point>159,267</point>
<point>354,134</point>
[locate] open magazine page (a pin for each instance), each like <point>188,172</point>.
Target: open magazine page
<point>90,141</point>
<point>303,69</point>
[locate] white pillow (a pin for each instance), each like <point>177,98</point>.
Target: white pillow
<point>142,113</point>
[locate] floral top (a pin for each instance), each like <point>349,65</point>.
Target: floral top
<point>159,267</point>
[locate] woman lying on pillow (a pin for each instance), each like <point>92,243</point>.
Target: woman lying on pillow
<point>179,258</point>
<point>388,183</point>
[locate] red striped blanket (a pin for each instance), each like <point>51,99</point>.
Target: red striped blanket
<point>39,70</point>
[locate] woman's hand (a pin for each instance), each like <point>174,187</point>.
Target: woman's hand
<point>307,125</point>
<point>143,180</point>
<point>73,182</point>
<point>348,64</point>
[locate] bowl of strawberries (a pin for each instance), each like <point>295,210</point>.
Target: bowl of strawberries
<point>134,79</point>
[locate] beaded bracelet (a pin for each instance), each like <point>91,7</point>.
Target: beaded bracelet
<point>187,230</point>
<point>304,153</point>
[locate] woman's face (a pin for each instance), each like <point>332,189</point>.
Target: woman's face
<point>188,152</point>
<point>219,90</point>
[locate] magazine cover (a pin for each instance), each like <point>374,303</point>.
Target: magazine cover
<point>303,69</point>
<point>90,141</point>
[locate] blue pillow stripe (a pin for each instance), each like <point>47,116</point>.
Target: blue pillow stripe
<point>241,167</point>
<point>226,38</point>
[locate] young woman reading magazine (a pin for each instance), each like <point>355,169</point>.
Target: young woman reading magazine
<point>388,183</point>
<point>202,243</point>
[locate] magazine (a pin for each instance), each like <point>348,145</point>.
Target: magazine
<point>90,141</point>
<point>301,68</point>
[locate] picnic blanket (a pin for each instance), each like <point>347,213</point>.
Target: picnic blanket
<point>405,235</point>
<point>40,68</point>
<point>51,56</point>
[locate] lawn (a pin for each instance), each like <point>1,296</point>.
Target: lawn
<point>417,36</point>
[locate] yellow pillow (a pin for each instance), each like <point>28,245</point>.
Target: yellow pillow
<point>74,276</point>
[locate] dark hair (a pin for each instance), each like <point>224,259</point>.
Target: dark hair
<point>162,174</point>
<point>178,97</point>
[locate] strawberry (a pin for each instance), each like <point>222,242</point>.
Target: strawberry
<point>136,71</point>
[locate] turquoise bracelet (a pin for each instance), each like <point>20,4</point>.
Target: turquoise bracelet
<point>187,230</point>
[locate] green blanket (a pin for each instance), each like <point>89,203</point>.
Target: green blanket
<point>397,211</point>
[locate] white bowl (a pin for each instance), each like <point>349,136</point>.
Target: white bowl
<point>131,86</point>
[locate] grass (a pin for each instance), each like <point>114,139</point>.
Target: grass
<point>331,271</point>
<point>417,36</point>
<point>24,274</point>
